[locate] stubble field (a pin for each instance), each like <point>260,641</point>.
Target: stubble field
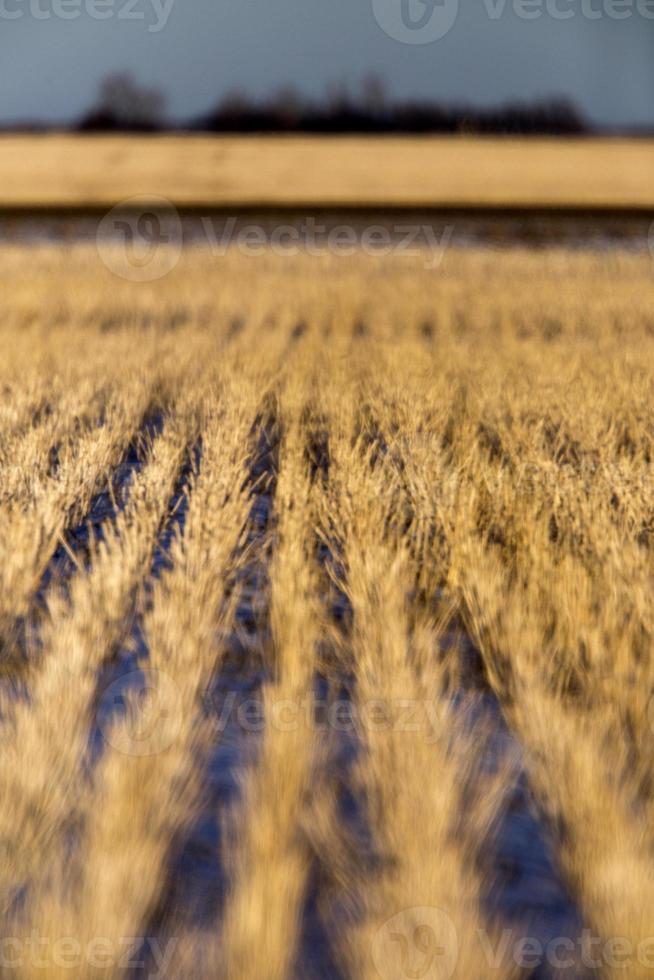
<point>316,574</point>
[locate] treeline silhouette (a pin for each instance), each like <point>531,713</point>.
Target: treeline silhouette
<point>124,105</point>
<point>551,118</point>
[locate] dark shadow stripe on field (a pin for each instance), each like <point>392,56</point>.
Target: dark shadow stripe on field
<point>527,892</point>
<point>123,673</point>
<point>103,509</point>
<point>73,553</point>
<point>326,908</point>
<point>197,882</point>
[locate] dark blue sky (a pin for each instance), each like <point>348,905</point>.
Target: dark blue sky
<point>197,50</point>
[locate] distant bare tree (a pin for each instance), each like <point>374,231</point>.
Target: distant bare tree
<point>236,103</point>
<point>124,103</point>
<point>338,96</point>
<point>373,94</point>
<point>287,105</point>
